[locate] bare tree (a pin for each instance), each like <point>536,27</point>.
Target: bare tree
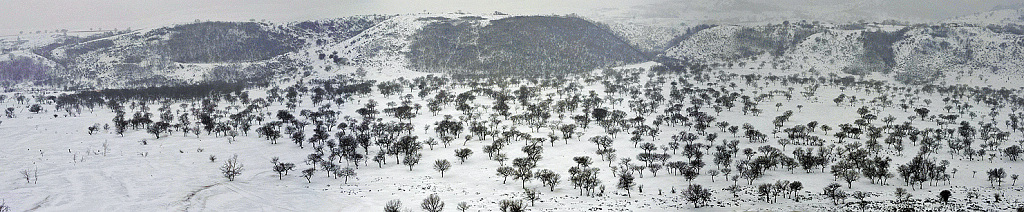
<point>281,168</point>
<point>697,195</point>
<point>26,175</point>
<point>511,205</point>
<point>442,165</point>
<point>393,206</point>
<point>432,203</point>
<point>5,208</point>
<point>345,172</point>
<point>532,195</point>
<point>549,178</point>
<point>412,159</point>
<point>308,173</point>
<point>232,168</point>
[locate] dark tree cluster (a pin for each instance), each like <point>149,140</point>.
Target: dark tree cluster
<point>208,42</point>
<point>522,45</point>
<point>20,69</point>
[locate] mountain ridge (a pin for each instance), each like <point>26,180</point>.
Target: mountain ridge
<point>952,51</point>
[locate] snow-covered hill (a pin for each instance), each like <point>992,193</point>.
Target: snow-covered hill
<point>828,52</point>
<point>949,53</point>
<point>981,48</point>
<point>997,17</point>
<point>363,82</point>
<point>247,51</point>
<point>647,37</point>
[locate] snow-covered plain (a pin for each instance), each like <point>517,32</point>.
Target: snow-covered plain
<point>138,172</point>
<point>108,172</point>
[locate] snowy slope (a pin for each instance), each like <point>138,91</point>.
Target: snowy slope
<point>827,52</point>
<point>998,17</point>
<point>709,45</point>
<point>648,37</point>
<point>107,172</point>
<point>947,53</point>
<point>379,50</point>
<point>963,54</point>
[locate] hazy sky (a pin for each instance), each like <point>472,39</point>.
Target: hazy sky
<point>33,15</point>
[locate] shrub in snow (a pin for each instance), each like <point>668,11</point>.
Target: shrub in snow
<point>511,205</point>
<point>626,182</point>
<point>35,108</point>
<point>393,206</point>
<point>5,208</point>
<point>92,129</point>
<point>27,176</point>
<point>944,195</point>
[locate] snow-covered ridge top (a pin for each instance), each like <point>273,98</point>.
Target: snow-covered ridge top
<point>998,17</point>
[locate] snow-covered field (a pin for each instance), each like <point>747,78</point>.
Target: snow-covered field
<point>138,172</point>
<point>51,162</point>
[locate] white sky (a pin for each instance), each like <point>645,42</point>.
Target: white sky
<point>33,15</point>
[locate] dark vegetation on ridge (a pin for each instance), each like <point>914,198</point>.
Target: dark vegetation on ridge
<point>526,45</point>
<point>210,42</point>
